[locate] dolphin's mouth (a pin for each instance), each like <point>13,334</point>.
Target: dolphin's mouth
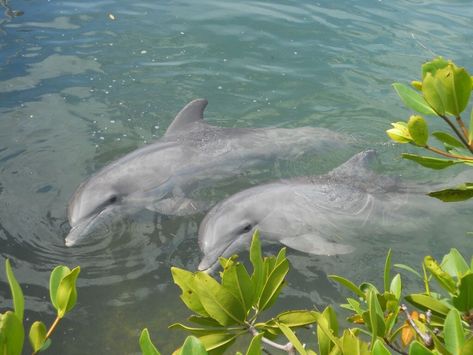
<point>81,230</point>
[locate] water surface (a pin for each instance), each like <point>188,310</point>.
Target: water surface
<point>79,88</point>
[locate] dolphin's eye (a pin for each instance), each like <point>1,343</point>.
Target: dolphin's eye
<point>247,228</point>
<point>113,199</point>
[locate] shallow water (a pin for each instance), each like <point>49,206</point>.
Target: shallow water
<point>78,89</point>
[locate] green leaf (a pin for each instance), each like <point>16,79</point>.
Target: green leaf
<point>12,334</point>
<point>408,268</point>
<point>417,348</point>
<point>376,316</point>
<point>351,344</point>
<point>418,130</point>
<point>293,319</point>
<point>463,301</point>
<point>205,321</point>
<point>327,322</point>
<point>255,345</point>
<point>399,133</point>
<point>425,302</point>
<point>433,65</point>
<point>444,279</point>
<point>146,345</point>
<point>66,294</point>
<point>379,348</point>
<point>413,99</point>
<point>199,331</point>
<point>55,279</point>
<point>257,278</point>
<point>348,284</point>
<point>429,162</point>
<point>193,346</point>
<point>467,347</point>
<point>448,139</point>
<point>185,280</point>
<point>459,193</point>
<point>292,338</point>
<point>448,90</point>
<point>218,342</point>
<point>387,271</point>
<point>37,335</point>
<point>237,281</point>
<point>453,332</point>
<point>454,264</point>
<point>396,286</point>
<point>274,282</point>
<point>17,294</point>
<point>218,302</point>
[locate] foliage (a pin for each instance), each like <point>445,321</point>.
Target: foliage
<point>438,323</point>
<point>63,297</point>
<point>444,92</point>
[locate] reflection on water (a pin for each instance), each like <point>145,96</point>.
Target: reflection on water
<point>79,89</point>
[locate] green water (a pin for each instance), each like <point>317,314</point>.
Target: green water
<point>78,89</point>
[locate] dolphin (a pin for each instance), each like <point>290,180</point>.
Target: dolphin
<point>317,214</point>
<point>191,153</point>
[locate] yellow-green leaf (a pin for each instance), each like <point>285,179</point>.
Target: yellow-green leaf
<point>66,295</point>
<point>17,294</point>
<point>399,133</point>
<point>37,335</point>
<point>413,99</point>
<point>146,345</point>
<point>418,130</point>
<point>12,334</point>
<point>453,332</point>
<point>185,280</point>
<point>255,345</point>
<point>292,338</point>
<point>218,302</point>
<point>440,275</point>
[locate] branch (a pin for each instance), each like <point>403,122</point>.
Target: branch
<point>426,338</point>
<point>462,127</point>
<point>448,155</point>
<point>288,348</point>
<point>457,132</point>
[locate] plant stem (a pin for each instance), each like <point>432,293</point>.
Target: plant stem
<point>463,127</point>
<point>426,338</point>
<point>394,348</point>
<point>448,155</point>
<point>457,132</point>
<point>288,347</point>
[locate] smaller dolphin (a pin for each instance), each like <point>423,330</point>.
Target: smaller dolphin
<point>191,154</point>
<point>313,214</point>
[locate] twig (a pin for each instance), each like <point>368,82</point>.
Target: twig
<point>448,155</point>
<point>288,348</point>
<point>394,348</point>
<point>457,132</point>
<point>426,338</point>
<point>463,127</point>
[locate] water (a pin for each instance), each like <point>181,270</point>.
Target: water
<point>82,83</point>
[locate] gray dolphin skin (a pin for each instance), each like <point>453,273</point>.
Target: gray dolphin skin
<point>160,176</point>
<point>316,215</point>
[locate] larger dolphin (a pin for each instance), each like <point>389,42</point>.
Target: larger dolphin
<point>191,153</point>
<point>316,215</point>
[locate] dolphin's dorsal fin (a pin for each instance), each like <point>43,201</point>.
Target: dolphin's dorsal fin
<point>192,112</point>
<point>357,167</point>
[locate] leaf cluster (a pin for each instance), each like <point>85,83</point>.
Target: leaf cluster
<point>438,323</point>
<point>444,92</point>
<point>63,293</point>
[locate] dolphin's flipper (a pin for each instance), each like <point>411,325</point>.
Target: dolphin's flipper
<point>314,244</point>
<point>178,206</point>
<point>192,112</point>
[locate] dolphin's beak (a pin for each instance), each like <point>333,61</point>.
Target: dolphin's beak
<point>78,232</point>
<point>207,265</point>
